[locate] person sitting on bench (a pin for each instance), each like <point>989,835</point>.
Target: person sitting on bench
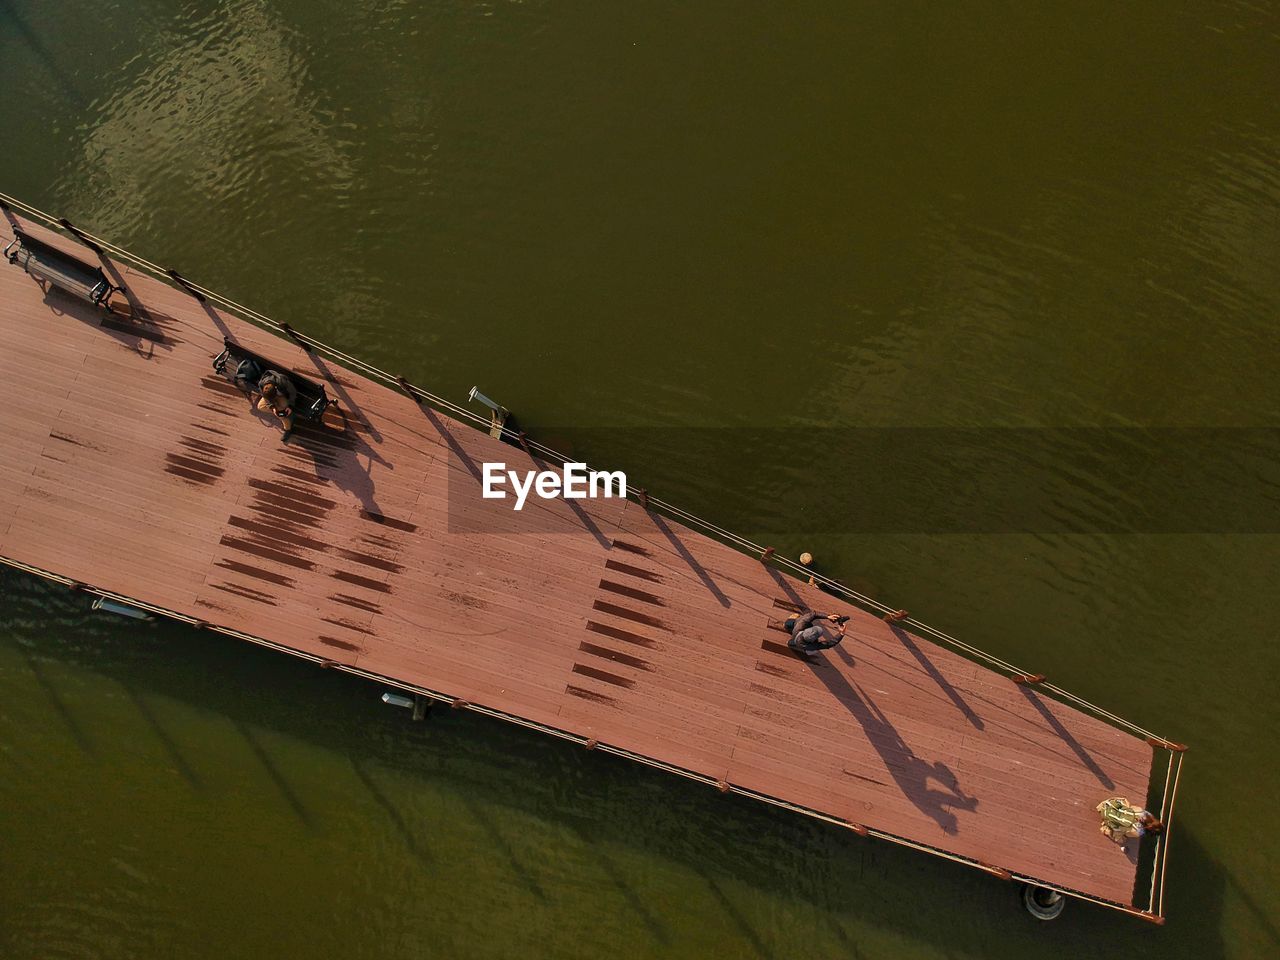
<point>293,396</point>
<point>809,636</point>
<point>278,395</point>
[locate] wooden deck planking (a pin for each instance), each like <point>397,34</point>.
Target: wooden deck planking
<point>130,467</point>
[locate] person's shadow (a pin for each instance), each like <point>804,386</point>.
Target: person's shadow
<point>333,447</point>
<point>931,787</point>
<point>338,455</point>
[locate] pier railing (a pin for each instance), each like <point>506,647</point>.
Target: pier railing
<point>768,555</point>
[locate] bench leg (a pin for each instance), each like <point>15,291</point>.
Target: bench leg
<point>110,308</point>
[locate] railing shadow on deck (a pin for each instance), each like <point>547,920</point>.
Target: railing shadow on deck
<point>936,676</point>
<point>1065,735</point>
<point>334,380</point>
<point>678,545</point>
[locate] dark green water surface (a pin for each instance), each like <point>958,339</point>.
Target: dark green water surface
<point>786,216</point>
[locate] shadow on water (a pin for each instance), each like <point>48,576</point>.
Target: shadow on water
<point>503,846</point>
<point>162,735</point>
<point>593,843</point>
<point>273,772</point>
<point>739,919</point>
<point>40,50</point>
<point>735,851</point>
<point>411,842</point>
<point>1265,923</point>
<point>59,704</point>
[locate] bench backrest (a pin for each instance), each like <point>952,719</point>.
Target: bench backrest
<point>312,399</point>
<point>48,263</point>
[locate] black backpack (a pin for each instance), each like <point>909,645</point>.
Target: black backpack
<point>248,372</point>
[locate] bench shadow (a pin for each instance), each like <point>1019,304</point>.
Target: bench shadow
<point>141,333</point>
<point>141,322</point>
<point>137,309</point>
<point>912,775</point>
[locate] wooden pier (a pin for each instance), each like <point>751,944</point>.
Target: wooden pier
<point>130,469</point>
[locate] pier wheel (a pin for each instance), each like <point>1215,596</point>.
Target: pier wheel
<point>1042,902</point>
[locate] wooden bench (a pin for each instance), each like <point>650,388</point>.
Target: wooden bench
<point>312,400</point>
<point>49,266</point>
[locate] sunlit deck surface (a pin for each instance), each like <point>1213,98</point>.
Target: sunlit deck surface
<point>129,466</point>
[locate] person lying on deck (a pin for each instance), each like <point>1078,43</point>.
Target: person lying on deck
<point>808,635</point>
<point>278,397</point>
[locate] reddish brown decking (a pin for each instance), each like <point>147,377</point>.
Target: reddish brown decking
<point>129,466</point>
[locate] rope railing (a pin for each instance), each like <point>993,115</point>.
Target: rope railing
<point>1159,848</point>
<point>646,500</point>
<point>1163,852</point>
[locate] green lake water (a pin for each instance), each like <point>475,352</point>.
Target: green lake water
<point>752,217</point>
